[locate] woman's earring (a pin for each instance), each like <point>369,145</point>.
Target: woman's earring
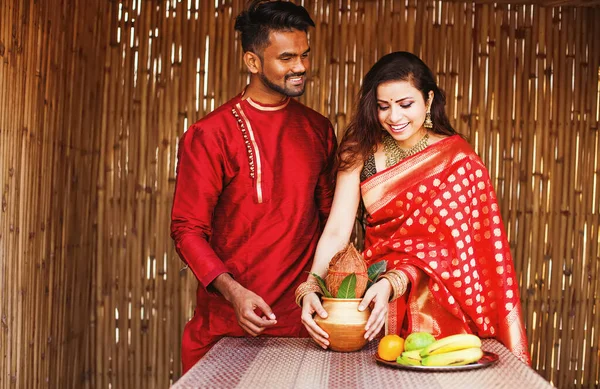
<point>428,123</point>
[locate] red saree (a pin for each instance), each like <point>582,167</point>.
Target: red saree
<point>435,217</point>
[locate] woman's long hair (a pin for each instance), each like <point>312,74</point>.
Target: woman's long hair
<point>364,131</point>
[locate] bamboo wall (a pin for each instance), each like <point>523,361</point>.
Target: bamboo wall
<point>94,95</point>
<point>50,115</point>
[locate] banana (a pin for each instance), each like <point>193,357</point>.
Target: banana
<point>403,360</point>
<point>412,355</point>
<point>451,343</point>
<point>454,358</point>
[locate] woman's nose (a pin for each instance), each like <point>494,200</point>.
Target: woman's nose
<point>395,114</point>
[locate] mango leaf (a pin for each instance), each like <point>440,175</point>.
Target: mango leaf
<point>375,271</point>
<point>347,288</point>
<point>321,283</point>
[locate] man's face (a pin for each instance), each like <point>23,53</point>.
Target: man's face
<point>285,62</point>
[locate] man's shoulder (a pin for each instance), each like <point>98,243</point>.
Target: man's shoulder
<point>310,113</point>
<point>221,119</point>
<point>213,129</point>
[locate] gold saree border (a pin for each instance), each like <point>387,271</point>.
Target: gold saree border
<point>386,185</point>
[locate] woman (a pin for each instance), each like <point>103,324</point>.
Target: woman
<point>431,214</point>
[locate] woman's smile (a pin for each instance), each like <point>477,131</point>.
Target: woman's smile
<point>399,127</point>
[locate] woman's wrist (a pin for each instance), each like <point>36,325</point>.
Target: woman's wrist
<point>398,281</point>
<point>387,285</point>
<point>310,286</point>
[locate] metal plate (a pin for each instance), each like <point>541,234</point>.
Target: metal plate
<point>488,359</point>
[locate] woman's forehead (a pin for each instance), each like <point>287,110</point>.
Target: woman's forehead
<point>396,90</point>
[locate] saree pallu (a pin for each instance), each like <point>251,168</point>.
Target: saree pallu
<point>435,217</point>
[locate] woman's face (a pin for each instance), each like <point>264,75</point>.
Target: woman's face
<point>401,111</point>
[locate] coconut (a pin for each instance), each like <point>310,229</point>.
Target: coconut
<point>344,263</point>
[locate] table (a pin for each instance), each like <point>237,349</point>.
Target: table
<point>298,363</point>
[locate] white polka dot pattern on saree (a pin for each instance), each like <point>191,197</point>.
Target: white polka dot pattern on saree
<point>456,235</point>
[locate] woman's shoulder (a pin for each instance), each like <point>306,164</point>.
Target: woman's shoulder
<point>355,166</point>
<point>455,139</point>
<point>456,149</point>
<point>435,138</point>
<point>464,151</point>
<point>350,159</point>
<point>455,142</point>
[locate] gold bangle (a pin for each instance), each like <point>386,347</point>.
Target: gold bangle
<point>399,282</point>
<point>305,288</point>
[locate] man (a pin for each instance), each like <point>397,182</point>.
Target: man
<point>254,188</point>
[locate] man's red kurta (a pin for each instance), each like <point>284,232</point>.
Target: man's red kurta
<point>254,187</point>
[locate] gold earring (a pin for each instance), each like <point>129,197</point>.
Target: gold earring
<point>428,123</point>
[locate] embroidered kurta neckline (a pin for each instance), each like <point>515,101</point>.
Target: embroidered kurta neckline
<point>268,107</point>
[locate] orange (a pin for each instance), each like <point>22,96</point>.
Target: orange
<point>390,347</point>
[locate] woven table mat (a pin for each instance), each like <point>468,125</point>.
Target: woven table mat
<point>298,363</point>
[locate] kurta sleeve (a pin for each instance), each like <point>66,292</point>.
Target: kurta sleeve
<point>199,182</point>
<point>326,185</point>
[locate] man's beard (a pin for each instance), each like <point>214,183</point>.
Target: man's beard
<point>283,90</point>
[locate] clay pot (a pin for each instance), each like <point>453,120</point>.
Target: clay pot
<point>345,324</point>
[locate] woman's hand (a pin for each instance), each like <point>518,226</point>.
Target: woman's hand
<point>311,304</point>
<point>379,296</point>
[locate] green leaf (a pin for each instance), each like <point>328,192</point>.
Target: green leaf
<point>321,283</point>
<point>347,289</point>
<point>375,270</point>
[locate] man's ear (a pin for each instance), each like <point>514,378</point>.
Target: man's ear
<point>252,61</point>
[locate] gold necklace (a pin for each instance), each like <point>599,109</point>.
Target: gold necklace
<point>394,153</point>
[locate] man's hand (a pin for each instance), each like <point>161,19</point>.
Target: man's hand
<point>245,305</point>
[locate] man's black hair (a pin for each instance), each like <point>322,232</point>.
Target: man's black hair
<point>262,16</point>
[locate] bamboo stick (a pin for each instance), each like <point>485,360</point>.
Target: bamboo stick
<point>114,270</point>
<point>543,142</point>
<point>538,265</point>
<point>147,92</point>
<point>219,50</point>
<point>29,157</point>
<point>5,270</point>
<point>581,291</point>
<point>126,268</point>
<point>593,373</point>
<point>555,166</point>
<point>564,146</point>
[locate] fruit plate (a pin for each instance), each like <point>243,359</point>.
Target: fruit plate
<point>488,359</point>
